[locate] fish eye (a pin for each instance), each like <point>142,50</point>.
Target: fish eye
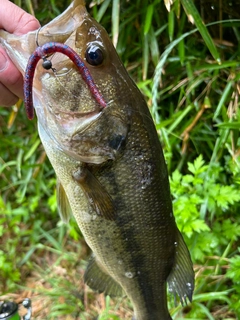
<point>94,55</point>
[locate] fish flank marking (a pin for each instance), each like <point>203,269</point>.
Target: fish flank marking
<point>41,53</point>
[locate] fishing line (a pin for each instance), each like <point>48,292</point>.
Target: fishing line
<point>36,38</point>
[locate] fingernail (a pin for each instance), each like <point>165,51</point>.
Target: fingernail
<point>3,62</point>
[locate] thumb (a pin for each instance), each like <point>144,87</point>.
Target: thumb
<point>19,21</point>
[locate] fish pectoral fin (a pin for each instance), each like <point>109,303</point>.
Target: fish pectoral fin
<point>100,280</point>
<point>63,204</point>
<point>181,279</point>
<point>96,194</point>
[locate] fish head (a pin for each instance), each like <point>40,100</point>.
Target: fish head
<point>64,105</point>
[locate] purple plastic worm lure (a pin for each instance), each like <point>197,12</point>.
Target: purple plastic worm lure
<point>42,53</point>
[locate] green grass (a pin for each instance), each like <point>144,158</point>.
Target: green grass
<point>189,75</point>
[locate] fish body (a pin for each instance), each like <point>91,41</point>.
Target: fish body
<point>110,166</point>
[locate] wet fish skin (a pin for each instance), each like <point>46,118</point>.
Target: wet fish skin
<point>110,167</point>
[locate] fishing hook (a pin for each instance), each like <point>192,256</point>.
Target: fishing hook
<point>47,64</point>
<point>42,52</point>
<point>36,38</point>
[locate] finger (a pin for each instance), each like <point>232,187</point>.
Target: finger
<point>7,98</point>
<point>10,78</point>
<point>19,21</point>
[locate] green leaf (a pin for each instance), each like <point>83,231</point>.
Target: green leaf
<point>102,10</point>
<point>234,270</point>
<point>223,99</point>
<point>200,225</point>
<point>198,165</point>
<point>148,19</point>
<point>224,195</point>
<point>171,20</point>
<point>153,43</point>
<point>229,125</point>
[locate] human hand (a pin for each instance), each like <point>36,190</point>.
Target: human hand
<point>14,20</point>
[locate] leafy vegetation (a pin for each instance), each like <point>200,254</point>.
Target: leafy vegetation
<point>191,82</point>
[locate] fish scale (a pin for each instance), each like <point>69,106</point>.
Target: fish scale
<point>148,264</point>
<point>109,164</point>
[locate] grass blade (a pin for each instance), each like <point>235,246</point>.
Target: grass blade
<point>115,21</point>
<point>195,17</point>
<point>171,24</point>
<point>102,10</point>
<point>223,99</point>
<point>159,69</point>
<point>148,20</point>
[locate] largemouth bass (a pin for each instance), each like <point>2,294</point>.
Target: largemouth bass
<point>109,163</point>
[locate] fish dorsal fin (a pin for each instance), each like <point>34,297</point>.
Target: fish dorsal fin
<point>63,204</point>
<point>100,280</point>
<point>181,279</point>
<point>96,194</point>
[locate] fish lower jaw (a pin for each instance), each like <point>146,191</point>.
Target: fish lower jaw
<point>76,123</point>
